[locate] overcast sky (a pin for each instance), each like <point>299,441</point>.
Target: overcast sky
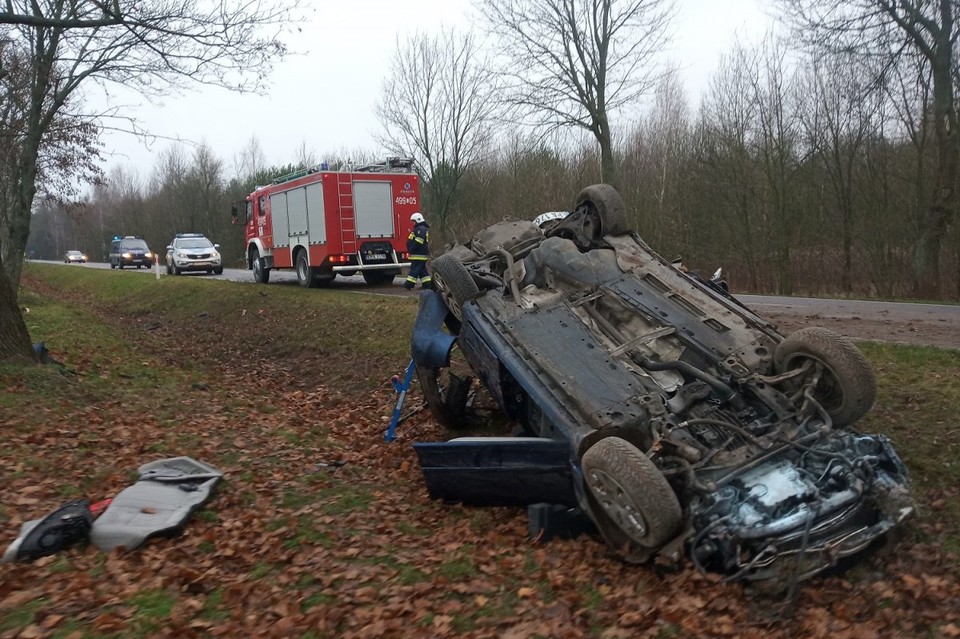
<point>324,99</point>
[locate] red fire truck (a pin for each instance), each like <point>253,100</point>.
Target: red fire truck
<point>322,222</point>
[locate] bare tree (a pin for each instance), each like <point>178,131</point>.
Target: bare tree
<point>656,155</point>
<point>576,63</point>
<point>152,46</point>
<point>888,29</point>
<point>439,103</point>
<point>839,123</point>
<point>251,160</point>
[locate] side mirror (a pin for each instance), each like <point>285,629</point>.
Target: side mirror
<point>216,246</point>
<point>169,248</point>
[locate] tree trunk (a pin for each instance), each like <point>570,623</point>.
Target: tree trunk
<point>14,337</point>
<point>608,164</point>
<point>927,276</point>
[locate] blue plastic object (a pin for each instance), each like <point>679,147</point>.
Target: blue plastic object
<point>401,386</point>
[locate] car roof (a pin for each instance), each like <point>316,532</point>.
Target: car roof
<point>179,235</point>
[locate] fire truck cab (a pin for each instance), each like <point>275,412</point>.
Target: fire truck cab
<point>322,222</point>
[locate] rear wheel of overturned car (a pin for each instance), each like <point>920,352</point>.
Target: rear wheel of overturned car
<point>452,281</point>
<point>846,387</point>
<point>604,211</point>
<point>632,495</point>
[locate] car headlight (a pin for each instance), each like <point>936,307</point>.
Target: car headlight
<point>127,256</point>
<point>148,254</point>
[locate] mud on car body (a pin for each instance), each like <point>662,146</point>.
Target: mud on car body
<point>693,425</point>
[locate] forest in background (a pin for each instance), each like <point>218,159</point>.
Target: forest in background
<point>793,173</point>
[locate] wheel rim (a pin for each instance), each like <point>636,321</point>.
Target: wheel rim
<point>302,274</point>
<point>257,270</point>
<point>593,224</point>
<point>617,504</point>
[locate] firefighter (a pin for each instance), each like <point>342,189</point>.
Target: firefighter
<point>418,246</point>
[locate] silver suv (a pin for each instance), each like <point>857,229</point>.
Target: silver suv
<point>193,252</point>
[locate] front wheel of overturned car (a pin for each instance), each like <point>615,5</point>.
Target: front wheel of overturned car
<point>452,280</point>
<point>603,210</point>
<point>846,387</point>
<point>637,510</point>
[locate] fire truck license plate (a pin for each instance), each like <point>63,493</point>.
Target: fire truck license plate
<point>374,255</point>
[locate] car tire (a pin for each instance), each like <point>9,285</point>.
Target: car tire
<point>452,281</point>
<point>604,211</point>
<point>261,274</point>
<point>848,387</point>
<point>218,270</point>
<point>169,269</point>
<point>373,278</point>
<point>446,396</point>
<point>630,494</point>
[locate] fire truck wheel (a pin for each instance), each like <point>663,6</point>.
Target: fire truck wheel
<point>377,277</point>
<point>261,274</point>
<point>322,278</point>
<point>306,276</point>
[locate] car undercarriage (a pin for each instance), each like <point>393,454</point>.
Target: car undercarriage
<point>692,424</point>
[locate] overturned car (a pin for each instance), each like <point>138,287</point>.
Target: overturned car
<point>686,423</point>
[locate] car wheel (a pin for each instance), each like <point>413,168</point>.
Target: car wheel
<point>448,394</point>
<point>261,274</point>
<point>452,280</point>
<point>169,269</point>
<point>218,270</point>
<point>374,278</point>
<point>847,387</point>
<point>120,265</point>
<point>632,494</point>
<point>604,211</point>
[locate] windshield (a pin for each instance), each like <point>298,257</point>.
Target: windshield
<point>194,243</point>
<point>134,244</point>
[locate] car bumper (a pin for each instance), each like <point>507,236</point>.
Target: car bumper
<point>198,265</point>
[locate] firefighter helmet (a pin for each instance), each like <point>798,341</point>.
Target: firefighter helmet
<point>416,218</point>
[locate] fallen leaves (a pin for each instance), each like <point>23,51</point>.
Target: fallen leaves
<point>321,528</point>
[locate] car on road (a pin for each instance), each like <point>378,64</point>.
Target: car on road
<point>130,251</point>
<point>690,425</point>
<point>74,257</point>
<point>192,252</point>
